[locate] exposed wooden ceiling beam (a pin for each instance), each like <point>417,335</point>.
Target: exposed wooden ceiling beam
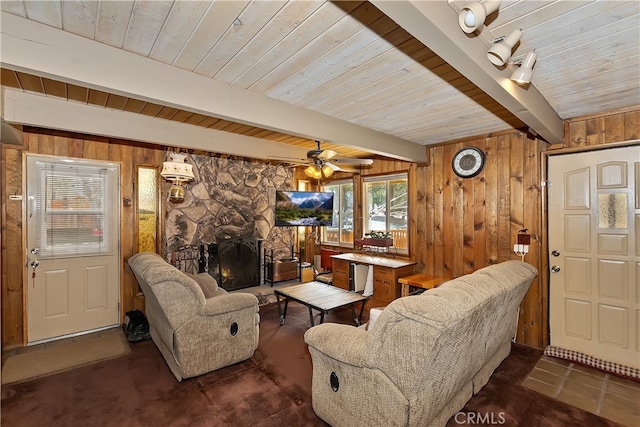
<point>10,133</point>
<point>435,24</point>
<point>45,51</point>
<point>52,113</point>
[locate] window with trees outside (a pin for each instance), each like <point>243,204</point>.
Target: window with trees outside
<point>341,232</point>
<point>386,208</point>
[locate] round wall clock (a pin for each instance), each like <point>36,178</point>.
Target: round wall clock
<point>468,162</point>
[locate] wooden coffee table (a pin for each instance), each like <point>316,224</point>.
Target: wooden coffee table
<point>321,297</point>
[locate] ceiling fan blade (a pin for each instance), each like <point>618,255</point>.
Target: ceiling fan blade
<point>296,160</point>
<point>352,161</point>
<point>321,154</point>
<point>343,168</point>
<point>327,154</point>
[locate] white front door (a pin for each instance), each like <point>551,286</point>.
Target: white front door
<point>594,253</point>
<point>73,234</point>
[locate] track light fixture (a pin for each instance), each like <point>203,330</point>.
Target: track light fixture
<point>500,52</point>
<point>472,15</point>
<point>523,73</point>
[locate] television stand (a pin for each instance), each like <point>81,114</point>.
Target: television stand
<point>281,270</point>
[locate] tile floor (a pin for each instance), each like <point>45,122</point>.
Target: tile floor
<point>611,397</point>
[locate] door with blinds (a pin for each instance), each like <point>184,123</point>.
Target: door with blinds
<point>73,282</point>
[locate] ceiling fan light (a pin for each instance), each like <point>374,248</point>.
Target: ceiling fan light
<point>473,15</point>
<point>313,172</point>
<point>500,53</point>
<point>327,170</point>
<point>524,73</point>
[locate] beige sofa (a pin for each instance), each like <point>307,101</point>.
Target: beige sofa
<point>424,357</point>
<point>197,326</point>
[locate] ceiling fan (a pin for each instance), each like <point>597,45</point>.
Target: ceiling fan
<point>322,163</point>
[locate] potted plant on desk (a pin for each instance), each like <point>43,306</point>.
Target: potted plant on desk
<point>378,238</point>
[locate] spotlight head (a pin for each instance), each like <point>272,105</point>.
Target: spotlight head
<point>524,73</point>
<point>500,53</point>
<point>472,15</point>
<point>470,19</point>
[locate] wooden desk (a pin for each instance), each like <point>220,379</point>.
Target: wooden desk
<point>424,281</point>
<point>386,272</point>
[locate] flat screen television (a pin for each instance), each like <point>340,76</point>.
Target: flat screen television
<point>304,208</point>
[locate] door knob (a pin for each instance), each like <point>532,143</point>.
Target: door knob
<point>555,269</point>
<point>555,253</point>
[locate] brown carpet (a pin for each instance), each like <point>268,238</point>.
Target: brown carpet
<point>271,389</point>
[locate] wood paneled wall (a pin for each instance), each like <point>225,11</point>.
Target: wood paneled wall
<point>460,225</point>
<point>616,126</point>
<point>37,141</point>
<point>466,224</point>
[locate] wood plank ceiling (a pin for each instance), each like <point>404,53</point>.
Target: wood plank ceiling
<point>347,60</point>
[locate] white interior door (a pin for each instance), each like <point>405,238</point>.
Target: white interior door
<point>73,282</point>
<point>594,247</point>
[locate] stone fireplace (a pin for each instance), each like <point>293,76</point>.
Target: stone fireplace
<point>234,263</point>
<point>228,213</point>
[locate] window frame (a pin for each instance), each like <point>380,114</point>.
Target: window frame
<point>337,208</point>
<point>403,176</point>
<point>59,179</point>
<point>158,206</point>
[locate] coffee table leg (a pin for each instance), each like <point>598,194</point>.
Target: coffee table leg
<point>279,310</point>
<point>282,315</point>
<point>311,316</point>
<point>321,316</point>
<point>357,320</point>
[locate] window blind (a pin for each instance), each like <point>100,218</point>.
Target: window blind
<point>76,209</point>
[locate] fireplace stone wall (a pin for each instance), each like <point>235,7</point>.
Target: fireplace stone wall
<point>230,198</point>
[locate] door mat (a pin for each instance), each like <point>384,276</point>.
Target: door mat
<point>59,356</point>
<point>593,362</point>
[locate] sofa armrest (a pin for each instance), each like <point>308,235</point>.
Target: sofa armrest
<point>229,303</point>
<point>344,343</point>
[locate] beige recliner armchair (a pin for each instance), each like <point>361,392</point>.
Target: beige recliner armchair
<point>424,357</point>
<point>197,326</point>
